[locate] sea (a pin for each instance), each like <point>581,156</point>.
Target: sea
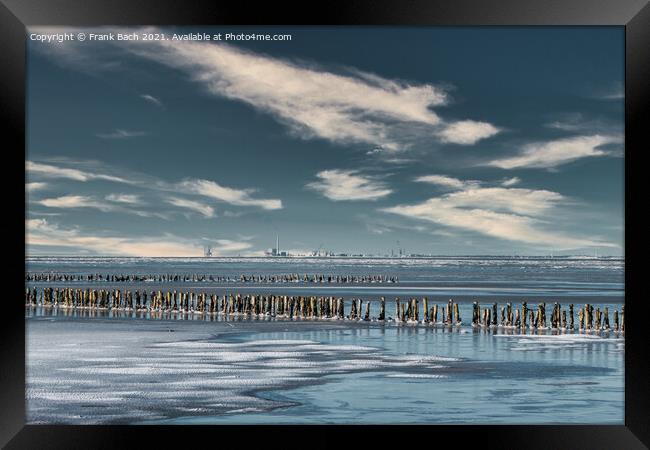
<point>117,367</point>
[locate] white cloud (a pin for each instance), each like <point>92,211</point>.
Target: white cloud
<point>513,214</point>
<point>443,180</point>
<point>233,196</point>
<point>71,174</point>
<point>511,181</point>
<point>199,207</point>
<point>340,185</point>
<point>74,201</point>
<point>342,106</point>
<point>40,233</point>
<point>516,200</point>
<point>347,107</point>
<point>467,132</point>
<point>151,99</point>
<point>558,152</point>
<point>35,186</point>
<point>129,199</point>
<point>121,134</point>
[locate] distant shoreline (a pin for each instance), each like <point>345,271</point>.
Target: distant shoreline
<point>381,258</point>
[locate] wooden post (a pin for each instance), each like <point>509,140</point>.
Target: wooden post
<point>580,318</point>
<point>606,319</point>
<point>616,320</point>
<point>571,316</point>
<point>397,309</point>
<point>524,314</point>
<point>623,318</point>
<point>425,310</point>
<point>457,314</point>
<point>367,316</point>
<point>494,314</point>
<point>382,309</point>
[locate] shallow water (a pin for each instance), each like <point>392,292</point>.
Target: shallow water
<point>144,371</point>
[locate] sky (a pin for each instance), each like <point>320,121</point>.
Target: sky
<point>358,140</point>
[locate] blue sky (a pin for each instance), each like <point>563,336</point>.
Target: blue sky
<point>448,141</point>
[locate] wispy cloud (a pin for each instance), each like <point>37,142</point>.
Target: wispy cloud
<point>151,99</point>
<point>511,214</point>
<point>233,196</point>
<point>511,181</point>
<point>443,180</point>
<point>121,134</point>
<point>467,132</point>
<point>201,208</point>
<point>341,185</point>
<point>343,105</point>
<point>42,234</point>
<point>206,188</point>
<point>52,171</point>
<point>35,186</point>
<point>557,152</point>
<point>129,199</point>
<point>613,92</point>
<point>74,201</point>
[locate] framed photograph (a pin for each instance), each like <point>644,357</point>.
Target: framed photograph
<point>392,215</point>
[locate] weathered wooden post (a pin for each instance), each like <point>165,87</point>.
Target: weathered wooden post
<point>474,314</point>
<point>580,318</point>
<point>524,314</point>
<point>382,310</point>
<point>571,316</point>
<point>367,316</point>
<point>449,312</point>
<point>616,320</point>
<point>403,318</point>
<point>494,314</point>
<point>457,314</point>
<point>564,319</point>
<point>606,319</point>
<point>397,309</point>
<point>425,310</point>
<point>623,318</point>
<point>503,316</point>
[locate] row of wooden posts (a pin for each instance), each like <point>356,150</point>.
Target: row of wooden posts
<point>322,307</point>
<point>282,278</point>
<point>274,305</point>
<point>588,319</point>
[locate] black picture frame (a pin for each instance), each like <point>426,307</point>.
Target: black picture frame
<point>15,15</point>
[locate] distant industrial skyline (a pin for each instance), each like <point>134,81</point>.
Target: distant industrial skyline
<point>353,140</point>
